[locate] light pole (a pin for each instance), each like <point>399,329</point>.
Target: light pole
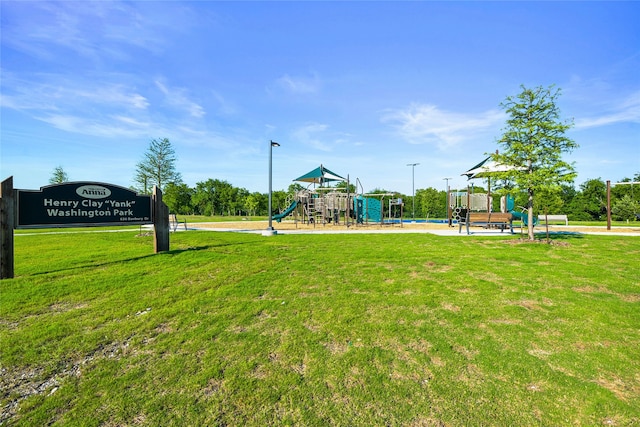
<point>413,189</point>
<point>270,231</point>
<point>447,201</point>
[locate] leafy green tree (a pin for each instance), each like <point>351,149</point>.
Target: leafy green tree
<point>592,199</point>
<point>294,188</point>
<point>533,143</point>
<point>204,198</point>
<point>225,197</point>
<point>625,209</point>
<point>279,201</point>
<point>549,202</point>
<point>380,191</point>
<point>58,176</point>
<point>216,196</point>
<point>343,184</point>
<point>431,203</point>
<point>157,168</point>
<point>253,202</point>
<point>239,204</point>
<point>631,189</point>
<point>178,198</point>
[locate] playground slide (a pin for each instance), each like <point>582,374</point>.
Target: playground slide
<point>524,217</point>
<point>286,212</point>
<point>521,216</point>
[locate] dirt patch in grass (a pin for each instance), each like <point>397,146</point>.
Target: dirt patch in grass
<point>20,384</point>
<point>450,307</point>
<point>630,298</point>
<point>552,242</point>
<point>621,389</point>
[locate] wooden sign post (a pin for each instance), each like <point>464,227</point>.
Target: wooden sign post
<point>160,222</point>
<point>77,204</point>
<point>7,219</point>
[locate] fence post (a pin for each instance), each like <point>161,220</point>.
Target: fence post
<point>7,224</point>
<point>160,222</point>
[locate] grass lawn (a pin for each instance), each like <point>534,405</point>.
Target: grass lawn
<point>316,330</point>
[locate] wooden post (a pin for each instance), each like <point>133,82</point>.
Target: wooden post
<point>7,224</point>
<point>160,222</point>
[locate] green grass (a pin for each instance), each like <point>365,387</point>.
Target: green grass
<point>239,329</point>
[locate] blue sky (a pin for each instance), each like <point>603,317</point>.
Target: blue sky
<point>364,88</point>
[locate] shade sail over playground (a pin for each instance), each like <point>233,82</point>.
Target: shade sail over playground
<point>320,175</point>
<point>486,169</point>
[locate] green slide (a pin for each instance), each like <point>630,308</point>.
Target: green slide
<point>522,216</point>
<point>286,212</point>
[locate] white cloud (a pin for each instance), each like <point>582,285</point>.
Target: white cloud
<point>50,92</point>
<point>427,124</point>
<point>627,111</point>
<point>313,135</point>
<point>111,127</point>
<point>177,97</point>
<point>98,31</point>
<point>299,85</point>
<point>97,107</point>
<point>224,106</point>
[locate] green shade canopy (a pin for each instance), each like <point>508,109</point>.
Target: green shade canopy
<point>320,175</point>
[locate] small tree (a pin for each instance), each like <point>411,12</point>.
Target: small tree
<point>58,176</point>
<point>251,203</point>
<point>533,144</point>
<point>158,167</point>
<point>625,209</point>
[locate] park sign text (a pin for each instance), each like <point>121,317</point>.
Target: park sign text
<point>80,204</point>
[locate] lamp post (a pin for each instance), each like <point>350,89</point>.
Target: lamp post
<point>270,231</point>
<point>413,189</point>
<point>447,201</point>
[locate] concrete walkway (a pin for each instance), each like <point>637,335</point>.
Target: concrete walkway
<point>438,229</point>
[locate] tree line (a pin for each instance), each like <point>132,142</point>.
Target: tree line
<point>586,203</point>
<point>532,171</point>
<point>218,197</point>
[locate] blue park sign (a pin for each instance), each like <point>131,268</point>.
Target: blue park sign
<point>82,204</point>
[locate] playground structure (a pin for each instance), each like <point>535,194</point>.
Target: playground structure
<point>461,202</point>
<point>331,205</point>
<point>483,202</point>
<point>327,205</point>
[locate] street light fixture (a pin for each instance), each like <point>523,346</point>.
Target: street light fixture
<point>270,231</point>
<point>447,196</point>
<point>413,188</point>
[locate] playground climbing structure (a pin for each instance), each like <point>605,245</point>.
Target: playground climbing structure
<point>333,205</point>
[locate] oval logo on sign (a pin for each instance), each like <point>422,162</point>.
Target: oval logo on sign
<point>93,191</point>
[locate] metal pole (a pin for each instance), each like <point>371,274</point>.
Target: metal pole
<point>448,202</point>
<point>270,230</point>
<point>608,206</point>
<point>413,189</point>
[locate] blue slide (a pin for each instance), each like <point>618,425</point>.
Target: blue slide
<point>286,212</point>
